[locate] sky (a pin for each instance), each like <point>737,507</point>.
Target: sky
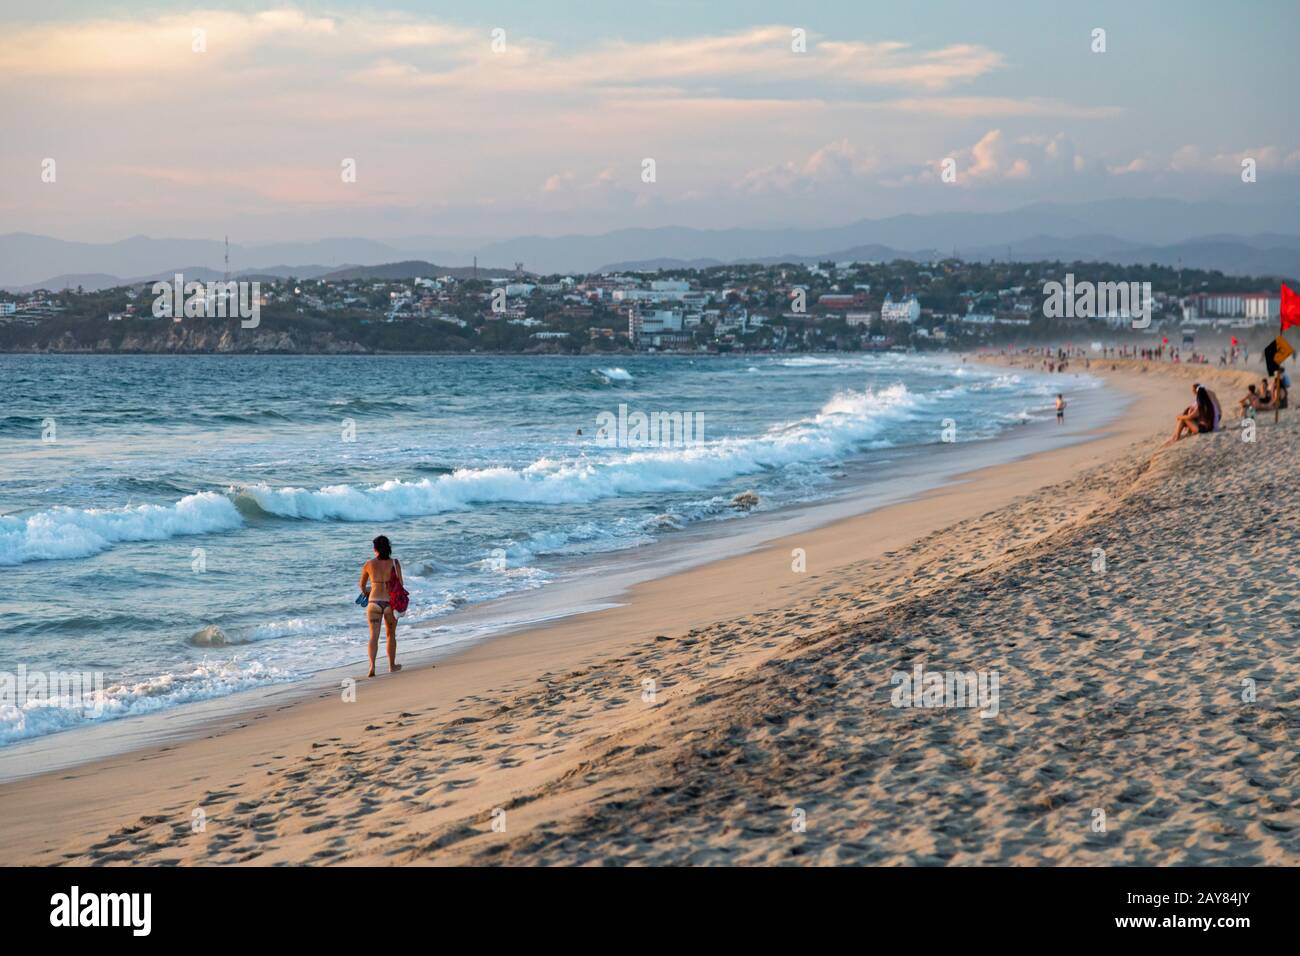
<point>482,120</point>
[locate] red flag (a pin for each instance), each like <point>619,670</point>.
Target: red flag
<point>1290,308</point>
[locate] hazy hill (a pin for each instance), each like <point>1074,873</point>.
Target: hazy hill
<point>1233,237</point>
<point>416,269</point>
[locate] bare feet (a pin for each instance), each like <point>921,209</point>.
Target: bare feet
<point>394,668</point>
<point>372,672</point>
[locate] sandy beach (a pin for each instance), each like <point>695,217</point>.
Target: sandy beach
<point>1134,602</point>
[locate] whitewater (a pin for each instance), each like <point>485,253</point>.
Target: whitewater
<point>241,518</point>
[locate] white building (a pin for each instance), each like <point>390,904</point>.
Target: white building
<point>641,324</point>
<point>987,318</point>
<point>908,310</point>
<point>1257,308</point>
<point>654,294</point>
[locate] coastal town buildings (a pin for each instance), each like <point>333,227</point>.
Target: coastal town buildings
<point>718,309</point>
<point>1252,308</point>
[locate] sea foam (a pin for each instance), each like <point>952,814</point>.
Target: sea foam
<point>848,419</point>
<point>80,532</point>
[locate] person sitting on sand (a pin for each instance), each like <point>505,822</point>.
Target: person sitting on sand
<point>1198,418</point>
<point>380,571</point>
<point>1252,402</point>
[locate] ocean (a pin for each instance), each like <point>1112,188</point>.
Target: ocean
<point>188,527</point>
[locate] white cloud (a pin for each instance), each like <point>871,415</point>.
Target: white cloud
<point>836,162</point>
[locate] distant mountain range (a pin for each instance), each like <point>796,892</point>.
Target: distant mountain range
<point>409,269</point>
<point>1263,255</point>
<point>413,269</point>
<point>1234,238</point>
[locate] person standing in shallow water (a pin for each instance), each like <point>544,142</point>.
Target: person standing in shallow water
<point>379,572</point>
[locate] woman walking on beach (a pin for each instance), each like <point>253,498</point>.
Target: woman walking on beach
<point>383,574</point>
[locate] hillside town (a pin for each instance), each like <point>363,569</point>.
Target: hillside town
<point>789,307</point>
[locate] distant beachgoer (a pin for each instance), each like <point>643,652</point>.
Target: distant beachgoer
<point>1060,409</point>
<point>379,572</point>
<point>1251,403</point>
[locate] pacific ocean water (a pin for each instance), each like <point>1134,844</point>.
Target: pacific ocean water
<point>192,526</point>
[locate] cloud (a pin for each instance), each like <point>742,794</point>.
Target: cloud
<point>983,107</point>
<point>1138,164</point>
<point>407,52</point>
<point>760,56</point>
<point>836,162</point>
<point>993,157</point>
<point>1190,159</point>
<point>557,182</point>
<point>536,135</point>
<point>164,46</point>
<point>896,64</point>
<point>997,158</point>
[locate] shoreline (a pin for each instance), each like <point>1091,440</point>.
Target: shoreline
<point>487,680</point>
<point>587,585</point>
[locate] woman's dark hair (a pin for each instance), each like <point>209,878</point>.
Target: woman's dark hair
<point>383,547</point>
<point>1204,405</point>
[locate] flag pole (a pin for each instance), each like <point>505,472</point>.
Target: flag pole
<point>1277,376</point>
